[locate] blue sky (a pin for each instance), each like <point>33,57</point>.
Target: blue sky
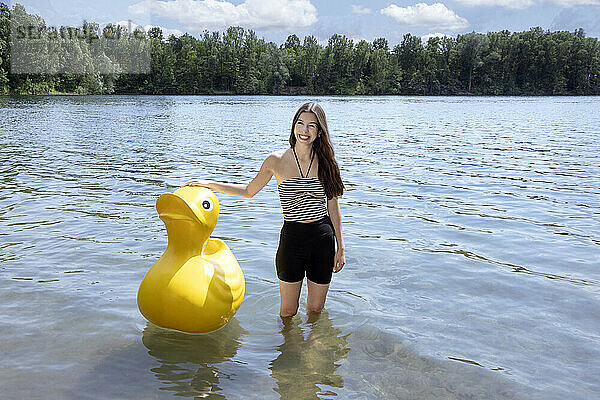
<point>276,19</point>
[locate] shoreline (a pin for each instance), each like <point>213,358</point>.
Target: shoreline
<point>302,95</point>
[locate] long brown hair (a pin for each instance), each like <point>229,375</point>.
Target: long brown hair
<point>329,172</point>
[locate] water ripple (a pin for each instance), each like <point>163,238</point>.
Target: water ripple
<point>455,210</point>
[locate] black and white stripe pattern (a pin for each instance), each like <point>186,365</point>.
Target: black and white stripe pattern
<point>302,199</point>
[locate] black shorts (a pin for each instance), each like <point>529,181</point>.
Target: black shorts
<point>306,248</point>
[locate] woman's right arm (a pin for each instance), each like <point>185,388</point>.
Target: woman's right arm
<point>260,180</point>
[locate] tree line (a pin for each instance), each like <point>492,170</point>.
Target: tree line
<point>534,62</point>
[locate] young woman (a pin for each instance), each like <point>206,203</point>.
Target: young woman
<point>309,184</point>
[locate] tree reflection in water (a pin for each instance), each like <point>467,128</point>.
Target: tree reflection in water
<point>309,357</point>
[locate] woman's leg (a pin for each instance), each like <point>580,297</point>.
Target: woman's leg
<point>317,293</point>
<point>320,267</point>
<point>290,295</point>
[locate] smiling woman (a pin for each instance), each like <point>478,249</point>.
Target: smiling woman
<point>309,186</point>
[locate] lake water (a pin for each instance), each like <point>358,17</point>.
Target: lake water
<point>472,228</point>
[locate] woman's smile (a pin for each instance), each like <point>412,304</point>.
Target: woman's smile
<point>306,127</point>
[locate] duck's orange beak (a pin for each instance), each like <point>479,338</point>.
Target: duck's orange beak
<point>189,203</point>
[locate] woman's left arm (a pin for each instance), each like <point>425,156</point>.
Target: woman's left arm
<point>336,219</point>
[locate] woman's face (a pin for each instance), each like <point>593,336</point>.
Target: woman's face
<point>306,128</point>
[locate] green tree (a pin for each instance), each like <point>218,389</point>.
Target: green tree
<point>362,56</point>
<point>163,64</point>
<point>471,49</point>
<point>533,62</point>
<point>379,69</point>
<point>4,48</point>
<point>411,58</point>
<point>310,54</point>
<point>250,82</point>
<point>334,73</point>
<point>274,72</point>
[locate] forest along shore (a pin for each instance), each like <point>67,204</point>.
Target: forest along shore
<point>534,62</point>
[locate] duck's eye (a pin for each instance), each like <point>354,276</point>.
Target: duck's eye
<point>207,204</point>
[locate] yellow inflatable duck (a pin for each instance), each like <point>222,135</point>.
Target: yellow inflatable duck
<point>197,285</point>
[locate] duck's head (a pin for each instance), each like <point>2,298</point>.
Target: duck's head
<point>192,205</point>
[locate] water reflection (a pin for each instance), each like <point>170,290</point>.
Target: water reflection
<point>190,363</point>
<point>309,357</point>
<point>472,222</point>
<point>399,371</point>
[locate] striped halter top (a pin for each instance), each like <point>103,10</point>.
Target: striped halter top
<point>302,197</point>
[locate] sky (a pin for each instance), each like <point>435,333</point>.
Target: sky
<point>275,20</point>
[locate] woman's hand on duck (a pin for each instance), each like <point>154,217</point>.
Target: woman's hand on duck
<point>339,260</point>
<point>198,182</point>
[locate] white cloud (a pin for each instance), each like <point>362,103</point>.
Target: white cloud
<point>360,10</point>
<point>513,4</point>
<point>572,3</point>
<point>569,19</point>
<point>323,42</point>
<point>425,38</point>
<point>522,4</point>
<point>198,15</point>
<point>354,38</point>
<point>421,14</point>
<point>166,31</point>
